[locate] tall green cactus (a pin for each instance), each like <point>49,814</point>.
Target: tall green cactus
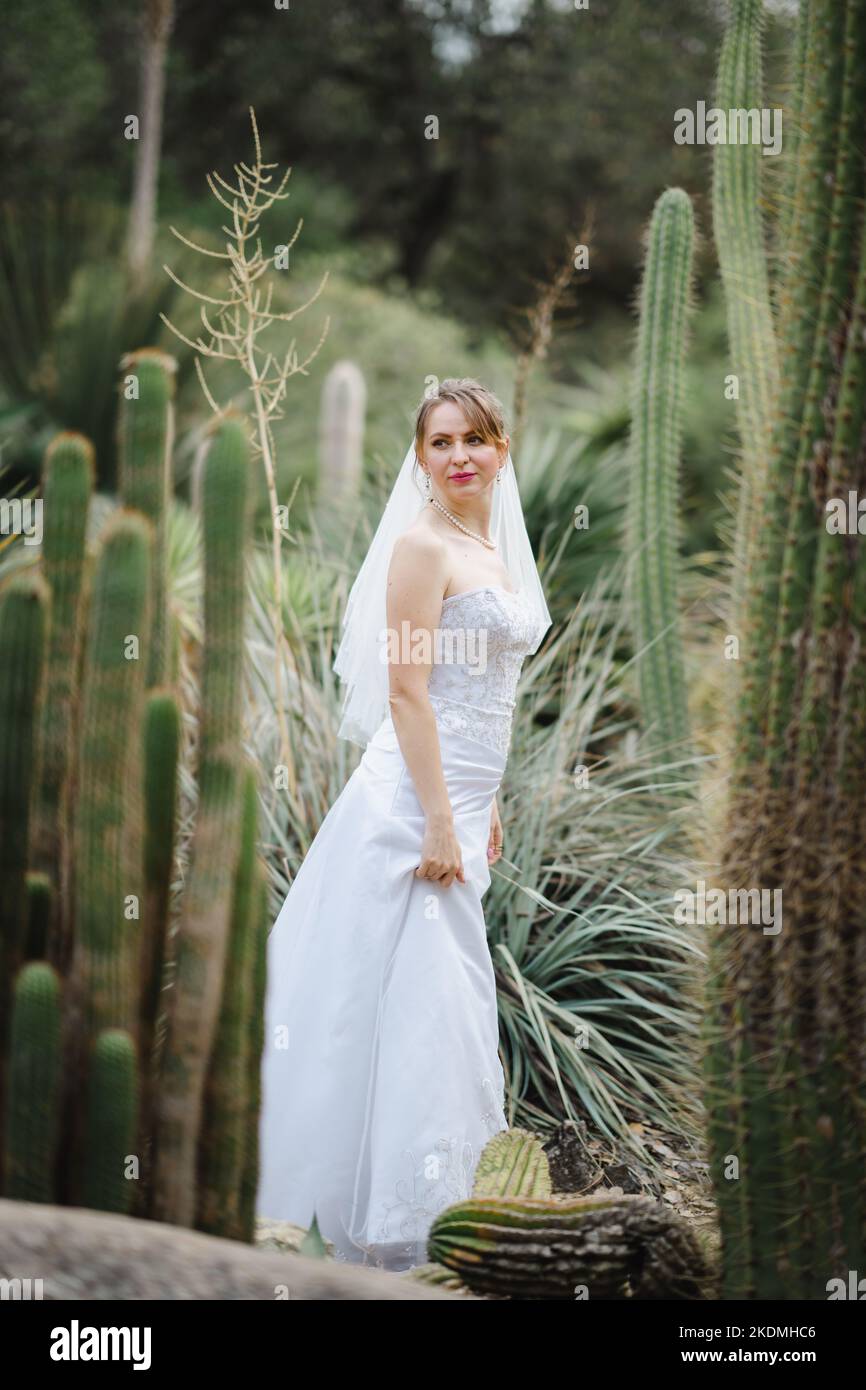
<point>739,235</point>
<point>24,604</point>
<point>108,884</point>
<point>341,437</point>
<point>784,1067</point>
<point>145,438</point>
<point>652,520</point>
<point>66,487</point>
<point>798,315</point>
<point>203,931</point>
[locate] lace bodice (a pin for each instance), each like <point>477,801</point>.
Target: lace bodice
<point>484,635</point>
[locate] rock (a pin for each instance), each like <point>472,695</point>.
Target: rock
<point>84,1254</point>
<point>567,1149</point>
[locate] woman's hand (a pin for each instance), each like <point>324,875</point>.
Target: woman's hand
<point>441,856</point>
<point>494,844</point>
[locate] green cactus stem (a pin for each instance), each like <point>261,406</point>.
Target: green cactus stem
<point>111,1122</point>
<point>24,617</point>
<point>108,834</point>
<point>33,1104</point>
<point>67,485</point>
<point>223,1133</point>
<point>512,1164</point>
<point>203,932</point>
<point>652,515</point>
<point>162,732</point>
<point>783,1063</point>
<point>255,1047</point>
<point>145,439</point>
<point>40,900</point>
<point>740,243</point>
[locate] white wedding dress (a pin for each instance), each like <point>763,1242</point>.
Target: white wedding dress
<point>381,1078</point>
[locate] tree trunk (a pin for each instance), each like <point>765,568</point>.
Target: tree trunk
<point>158,17</point>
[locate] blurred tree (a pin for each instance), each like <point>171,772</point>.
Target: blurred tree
<point>542,110</point>
<point>157,17</point>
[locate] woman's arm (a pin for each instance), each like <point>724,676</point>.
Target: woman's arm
<point>417,579</point>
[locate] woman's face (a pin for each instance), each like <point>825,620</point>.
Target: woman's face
<point>458,460</point>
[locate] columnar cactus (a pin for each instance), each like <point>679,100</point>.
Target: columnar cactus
<point>203,932</point>
<point>656,429</point>
<point>739,235</point>
<point>222,1138</point>
<point>341,434</point>
<point>109,882</point>
<point>145,437</point>
<point>33,1103</point>
<point>67,486</point>
<point>23,622</point>
<point>784,1064</point>
<point>255,1047</point>
<point>111,1122</point>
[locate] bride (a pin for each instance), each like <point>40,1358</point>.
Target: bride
<point>381,1079</point>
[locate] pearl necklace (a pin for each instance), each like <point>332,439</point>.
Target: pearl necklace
<point>491,545</point>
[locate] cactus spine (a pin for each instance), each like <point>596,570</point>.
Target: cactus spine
<point>652,518</point>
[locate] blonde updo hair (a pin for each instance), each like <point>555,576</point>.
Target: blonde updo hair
<point>482,409</point>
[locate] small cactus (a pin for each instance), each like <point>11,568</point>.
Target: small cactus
<point>33,1106</point>
<point>111,1122</point>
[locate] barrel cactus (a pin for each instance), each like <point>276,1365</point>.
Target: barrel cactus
<point>585,1247</point>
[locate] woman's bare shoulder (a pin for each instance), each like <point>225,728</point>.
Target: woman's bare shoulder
<point>420,542</point>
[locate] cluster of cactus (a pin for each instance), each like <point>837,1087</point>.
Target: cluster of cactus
<point>516,1238</point>
<point>130,1016</point>
<point>784,1061</point>
<point>784,1066</point>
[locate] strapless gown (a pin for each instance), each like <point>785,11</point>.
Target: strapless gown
<point>381,1078</point>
